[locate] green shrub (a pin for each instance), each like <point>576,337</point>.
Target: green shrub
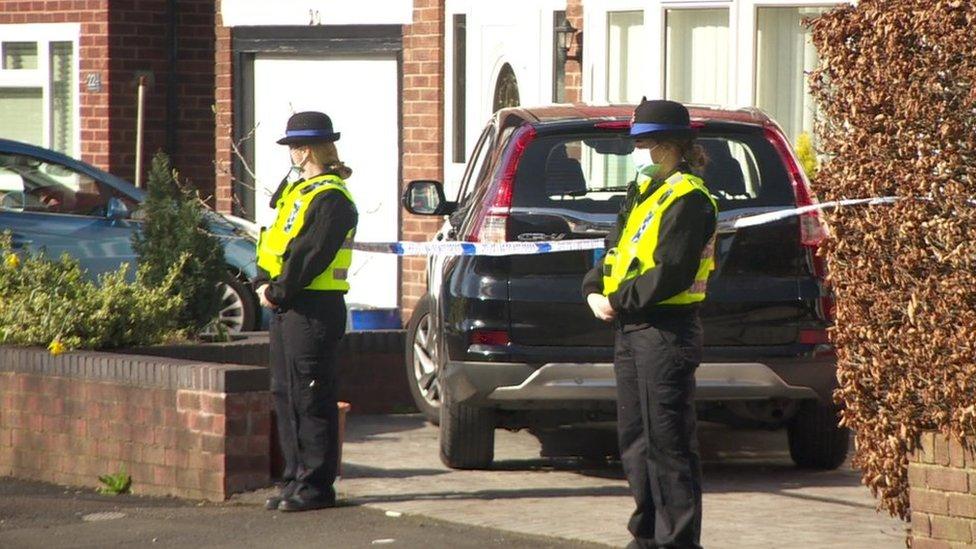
<point>175,226</point>
<point>52,302</point>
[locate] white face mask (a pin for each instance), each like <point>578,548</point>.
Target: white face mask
<point>644,161</point>
<point>295,171</point>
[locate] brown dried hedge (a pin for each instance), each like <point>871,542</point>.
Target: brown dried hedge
<point>895,86</point>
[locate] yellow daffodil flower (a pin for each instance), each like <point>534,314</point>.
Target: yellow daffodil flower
<point>56,347</point>
<point>12,261</point>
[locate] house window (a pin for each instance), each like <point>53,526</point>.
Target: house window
<point>625,38</point>
<point>784,58</point>
<point>39,85</point>
<point>506,89</point>
<point>558,61</point>
<point>697,55</point>
<point>22,114</point>
<point>19,55</point>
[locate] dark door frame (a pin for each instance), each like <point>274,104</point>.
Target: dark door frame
<point>299,41</point>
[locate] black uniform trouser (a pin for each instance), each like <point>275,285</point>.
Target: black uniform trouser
<point>304,386</point>
<point>655,370</point>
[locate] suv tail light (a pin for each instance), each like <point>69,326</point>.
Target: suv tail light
<point>812,229</point>
<point>491,223</point>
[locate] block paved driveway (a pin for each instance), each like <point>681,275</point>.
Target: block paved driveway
<point>754,497</point>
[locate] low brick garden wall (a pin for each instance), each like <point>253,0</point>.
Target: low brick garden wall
<point>371,371</point>
<point>193,430</point>
<point>192,421</point>
<point>942,480</point>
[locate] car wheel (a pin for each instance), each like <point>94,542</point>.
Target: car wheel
<point>421,365</point>
<point>817,441</point>
<point>237,310</point>
<point>467,436</point>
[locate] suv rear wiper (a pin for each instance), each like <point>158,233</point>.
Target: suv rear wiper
<point>587,191</point>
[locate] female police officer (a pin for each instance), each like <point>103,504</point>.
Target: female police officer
<point>304,259</point>
<point>651,281</point>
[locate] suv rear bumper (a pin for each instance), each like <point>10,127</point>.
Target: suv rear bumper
<point>521,385</point>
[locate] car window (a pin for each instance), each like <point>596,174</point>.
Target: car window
<point>475,165</point>
<point>473,175</point>
<point>590,172</point>
<point>31,184</point>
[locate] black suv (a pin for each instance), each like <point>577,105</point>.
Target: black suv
<point>509,342</point>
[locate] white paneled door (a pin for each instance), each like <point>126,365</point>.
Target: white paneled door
<point>360,93</point>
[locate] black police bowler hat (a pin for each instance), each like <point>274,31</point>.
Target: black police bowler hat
<point>308,127</point>
<point>660,119</point>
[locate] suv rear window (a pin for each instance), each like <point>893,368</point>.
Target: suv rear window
<point>590,172</point>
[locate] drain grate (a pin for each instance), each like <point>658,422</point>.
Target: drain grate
<point>108,515</point>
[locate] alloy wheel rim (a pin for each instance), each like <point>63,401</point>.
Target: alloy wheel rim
<point>231,312</point>
<point>424,368</point>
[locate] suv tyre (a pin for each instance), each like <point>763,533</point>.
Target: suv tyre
<point>816,439</point>
<point>467,436</point>
<point>422,368</point>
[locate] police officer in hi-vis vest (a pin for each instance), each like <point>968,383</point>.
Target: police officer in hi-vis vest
<point>304,259</point>
<point>651,282</point>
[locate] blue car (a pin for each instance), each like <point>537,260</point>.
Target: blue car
<point>54,203</point>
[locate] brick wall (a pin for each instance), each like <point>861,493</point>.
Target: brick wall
<point>942,480</point>
<point>574,75</point>
<point>179,428</point>
<point>423,130</point>
<point>117,42</point>
<point>138,41</point>
<point>224,115</point>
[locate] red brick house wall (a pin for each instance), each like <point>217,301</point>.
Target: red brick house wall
<point>574,74</point>
<point>224,115</point>
<point>423,130</point>
<point>117,41</point>
<point>138,41</point>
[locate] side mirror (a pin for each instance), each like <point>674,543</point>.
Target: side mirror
<point>426,197</point>
<point>116,209</point>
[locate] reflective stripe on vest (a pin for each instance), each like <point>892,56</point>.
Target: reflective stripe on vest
<point>634,253</point>
<point>292,208</point>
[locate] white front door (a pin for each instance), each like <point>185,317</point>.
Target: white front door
<point>359,93</point>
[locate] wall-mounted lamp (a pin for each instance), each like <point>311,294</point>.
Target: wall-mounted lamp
<point>566,35</point>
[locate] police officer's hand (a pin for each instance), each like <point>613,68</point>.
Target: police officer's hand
<point>263,298</point>
<point>600,306</point>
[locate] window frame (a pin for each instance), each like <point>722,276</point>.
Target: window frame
<point>733,30</point>
<point>44,34</point>
<point>753,36</point>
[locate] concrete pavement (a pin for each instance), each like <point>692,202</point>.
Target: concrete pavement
<point>754,496</point>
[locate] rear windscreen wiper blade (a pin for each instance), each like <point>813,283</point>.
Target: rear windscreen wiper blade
<point>585,192</point>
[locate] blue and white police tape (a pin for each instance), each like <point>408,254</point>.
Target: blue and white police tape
<point>478,248</point>
<point>453,248</point>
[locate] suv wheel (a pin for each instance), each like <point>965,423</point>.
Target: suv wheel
<point>816,439</point>
<point>421,366</point>
<point>467,436</point>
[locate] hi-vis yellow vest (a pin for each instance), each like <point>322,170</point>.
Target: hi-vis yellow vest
<point>292,206</point>
<point>634,253</point>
